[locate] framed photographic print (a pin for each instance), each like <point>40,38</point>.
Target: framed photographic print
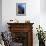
<point>20,9</point>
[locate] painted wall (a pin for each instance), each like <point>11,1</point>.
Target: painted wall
<point>0,15</point>
<point>33,13</point>
<point>43,14</point>
<point>9,11</point>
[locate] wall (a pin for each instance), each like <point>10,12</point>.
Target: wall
<point>9,11</point>
<point>0,15</point>
<point>43,14</point>
<point>43,6</point>
<point>33,13</point>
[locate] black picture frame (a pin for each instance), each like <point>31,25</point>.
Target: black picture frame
<point>20,9</point>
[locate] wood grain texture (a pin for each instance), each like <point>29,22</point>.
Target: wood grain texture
<point>22,27</point>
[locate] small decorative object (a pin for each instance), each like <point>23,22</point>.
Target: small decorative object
<point>11,20</point>
<point>21,9</point>
<point>41,36</point>
<point>27,21</point>
<point>14,21</point>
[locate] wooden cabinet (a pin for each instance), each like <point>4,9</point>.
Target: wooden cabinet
<point>22,33</point>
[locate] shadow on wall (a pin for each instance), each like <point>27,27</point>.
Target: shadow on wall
<point>43,6</point>
<point>0,15</point>
<point>0,23</point>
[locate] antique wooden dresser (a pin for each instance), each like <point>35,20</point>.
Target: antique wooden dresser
<point>22,33</point>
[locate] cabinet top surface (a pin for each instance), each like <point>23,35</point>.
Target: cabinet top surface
<point>19,23</point>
